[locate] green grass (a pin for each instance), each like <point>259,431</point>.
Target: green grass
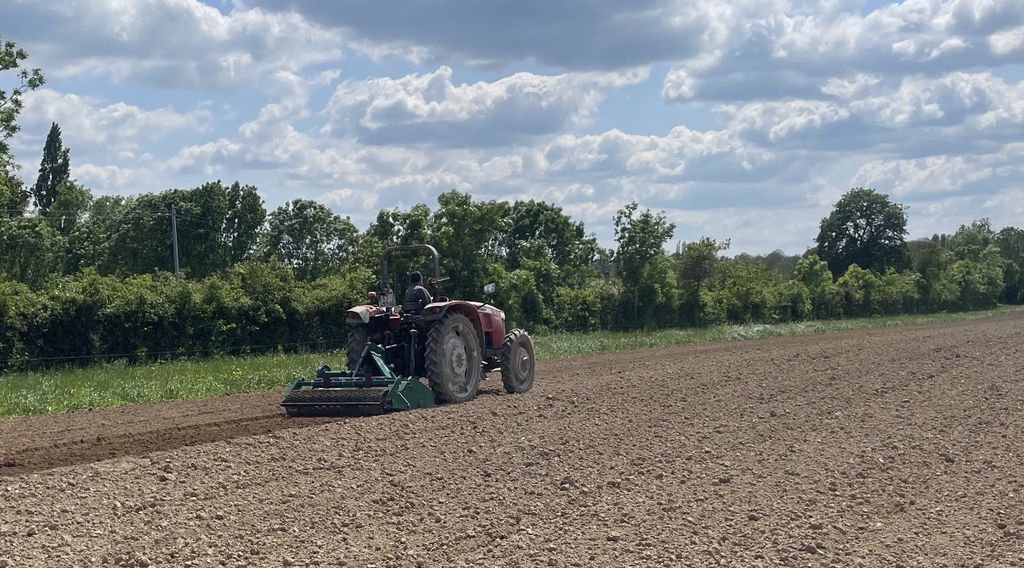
<point>117,383</point>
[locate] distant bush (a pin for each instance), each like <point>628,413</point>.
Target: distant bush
<point>255,307</point>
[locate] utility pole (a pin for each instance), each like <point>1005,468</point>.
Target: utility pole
<point>174,240</point>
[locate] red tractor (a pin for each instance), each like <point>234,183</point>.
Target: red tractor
<point>452,343</point>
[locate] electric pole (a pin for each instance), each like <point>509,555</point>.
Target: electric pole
<point>174,240</point>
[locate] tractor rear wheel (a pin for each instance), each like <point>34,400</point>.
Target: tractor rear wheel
<point>357,338</point>
<point>454,359</point>
<point>517,362</point>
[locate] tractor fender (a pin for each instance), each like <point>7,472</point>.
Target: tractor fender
<point>361,314</point>
<point>438,310</point>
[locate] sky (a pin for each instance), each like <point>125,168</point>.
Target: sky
<point>742,120</point>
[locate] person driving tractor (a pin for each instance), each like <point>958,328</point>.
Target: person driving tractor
<point>417,294</point>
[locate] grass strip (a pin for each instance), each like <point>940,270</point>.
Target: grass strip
<point>114,384</point>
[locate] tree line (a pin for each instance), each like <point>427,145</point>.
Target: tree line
<point>84,278</point>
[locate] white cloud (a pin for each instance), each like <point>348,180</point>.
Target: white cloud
<point>432,109</point>
<point>571,34</point>
<point>183,44</point>
<point>108,177</point>
<point>90,127</point>
<point>975,174</point>
<point>776,50</point>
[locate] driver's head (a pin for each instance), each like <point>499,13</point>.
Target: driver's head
<point>416,278</point>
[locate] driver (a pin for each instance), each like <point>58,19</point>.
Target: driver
<point>417,294</point>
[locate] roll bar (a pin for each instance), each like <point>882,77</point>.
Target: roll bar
<point>434,257</point>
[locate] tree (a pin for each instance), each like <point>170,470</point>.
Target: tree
<point>466,234</point>
<point>641,237</point>
<point>310,238</point>
<point>930,260</point>
<point>865,229</point>
<point>826,297</point>
<point>1010,241</point>
<point>13,197</point>
<point>969,242</point>
<point>695,265</point>
<point>243,223</point>
<point>11,59</point>
<point>54,170</point>
<point>543,233</point>
<point>71,205</point>
<point>29,251</point>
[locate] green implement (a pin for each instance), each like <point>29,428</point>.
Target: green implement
<point>370,389</point>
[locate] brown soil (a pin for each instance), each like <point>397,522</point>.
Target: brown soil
<point>885,448</point>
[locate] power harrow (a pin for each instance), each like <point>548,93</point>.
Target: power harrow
<point>371,389</point>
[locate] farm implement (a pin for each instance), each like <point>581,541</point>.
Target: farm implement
<point>372,389</point>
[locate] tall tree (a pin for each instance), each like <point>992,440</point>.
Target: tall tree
<point>466,233</point>
<point>867,229</point>
<point>11,59</point>
<point>641,262</point>
<point>695,263</point>
<point>310,238</point>
<point>54,170</point>
<point>244,221</point>
<point>565,242</point>
<point>1010,241</point>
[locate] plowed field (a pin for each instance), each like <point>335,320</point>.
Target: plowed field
<point>884,448</point>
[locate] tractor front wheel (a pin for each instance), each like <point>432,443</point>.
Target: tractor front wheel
<point>517,362</point>
<point>454,359</point>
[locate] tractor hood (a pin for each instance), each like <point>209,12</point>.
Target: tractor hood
<point>362,314</point>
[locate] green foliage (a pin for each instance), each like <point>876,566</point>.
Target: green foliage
<point>1010,241</point>
<point>466,234</point>
<point>860,289</point>
<point>13,196</point>
<point>310,238</point>
<point>12,58</point>
<point>243,222</point>
<point>643,268</point>
<point>865,229</point>
<point>70,207</point>
<point>696,265</point>
<point>979,281</point>
<point>826,297</point>
<point>590,307</point>
<point>90,278</point>
<point>542,235</point>
<point>30,250</point>
<point>255,307</point>
<point>743,293</point>
<point>899,292</point>
<point>54,170</point>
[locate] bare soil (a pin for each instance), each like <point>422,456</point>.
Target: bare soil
<point>885,448</point>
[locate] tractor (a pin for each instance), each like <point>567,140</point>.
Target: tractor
<point>452,344</point>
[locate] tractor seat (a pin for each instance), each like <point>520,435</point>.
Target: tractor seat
<point>412,308</point>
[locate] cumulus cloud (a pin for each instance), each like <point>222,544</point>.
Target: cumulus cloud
<point>781,49</point>
<point>182,44</point>
<point>571,34</point>
<point>431,108</point>
<point>92,127</point>
<point>976,174</point>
